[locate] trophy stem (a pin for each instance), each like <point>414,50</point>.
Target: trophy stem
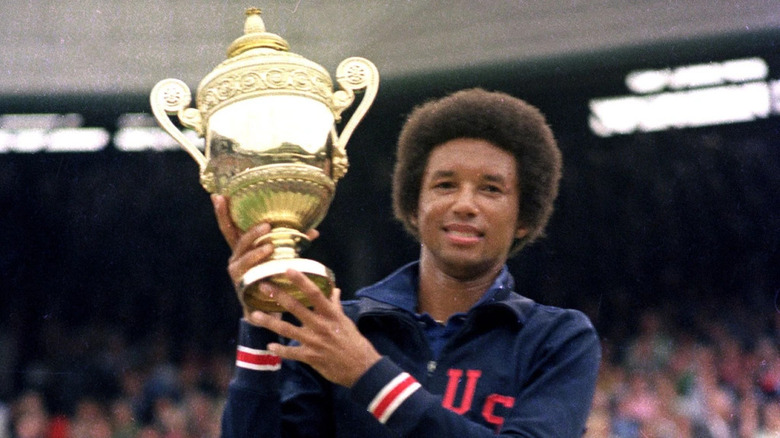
<point>286,242</point>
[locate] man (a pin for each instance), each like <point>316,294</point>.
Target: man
<point>443,346</point>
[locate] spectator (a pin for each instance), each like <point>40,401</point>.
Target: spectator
<point>770,415</point>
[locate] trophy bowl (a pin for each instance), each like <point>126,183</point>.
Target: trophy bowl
<point>269,120</point>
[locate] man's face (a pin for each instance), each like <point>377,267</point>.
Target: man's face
<point>468,207</point>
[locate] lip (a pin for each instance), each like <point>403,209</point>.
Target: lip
<point>462,234</point>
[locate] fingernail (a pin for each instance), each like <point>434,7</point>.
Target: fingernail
<point>267,290</point>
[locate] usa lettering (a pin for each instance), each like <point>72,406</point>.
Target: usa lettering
<point>465,396</point>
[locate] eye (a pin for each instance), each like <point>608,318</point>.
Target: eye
<point>493,188</point>
<point>443,184</point>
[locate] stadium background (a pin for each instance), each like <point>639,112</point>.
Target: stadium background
<point>684,218</point>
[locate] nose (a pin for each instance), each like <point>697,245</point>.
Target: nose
<point>464,203</point>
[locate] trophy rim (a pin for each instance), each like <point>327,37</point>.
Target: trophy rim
<point>279,267</point>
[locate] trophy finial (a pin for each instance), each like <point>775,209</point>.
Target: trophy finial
<point>254,21</point>
<point>255,36</point>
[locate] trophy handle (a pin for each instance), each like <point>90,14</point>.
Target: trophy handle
<point>354,74</point>
<point>172,96</point>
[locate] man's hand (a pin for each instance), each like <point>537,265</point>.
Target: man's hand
<point>246,251</point>
<point>329,341</point>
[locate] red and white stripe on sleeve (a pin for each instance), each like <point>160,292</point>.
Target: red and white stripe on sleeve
<point>258,360</point>
<point>392,396</point>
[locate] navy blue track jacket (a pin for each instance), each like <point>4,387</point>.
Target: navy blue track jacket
<point>513,368</point>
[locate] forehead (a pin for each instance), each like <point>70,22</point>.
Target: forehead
<point>471,156</point>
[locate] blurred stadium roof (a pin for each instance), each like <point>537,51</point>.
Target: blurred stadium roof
<point>126,46</point>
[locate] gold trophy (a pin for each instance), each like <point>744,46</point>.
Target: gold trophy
<point>271,144</point>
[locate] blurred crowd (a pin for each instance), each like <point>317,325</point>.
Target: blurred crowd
<point>95,384</point>
<point>715,375</point>
<point>671,376</point>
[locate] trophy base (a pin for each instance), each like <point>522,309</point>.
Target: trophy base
<point>273,272</point>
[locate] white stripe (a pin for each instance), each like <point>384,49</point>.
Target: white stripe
<point>398,401</point>
<point>256,367</point>
<point>252,350</point>
<point>386,390</point>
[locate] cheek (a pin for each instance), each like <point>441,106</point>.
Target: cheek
<point>421,219</point>
<point>427,218</point>
<point>511,223</point>
<point>424,208</point>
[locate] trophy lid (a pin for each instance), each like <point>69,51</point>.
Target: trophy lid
<point>260,63</point>
<point>255,36</point>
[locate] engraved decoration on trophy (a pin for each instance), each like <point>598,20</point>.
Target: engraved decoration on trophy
<point>269,118</point>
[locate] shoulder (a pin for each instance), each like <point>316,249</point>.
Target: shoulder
<point>551,327</point>
<point>537,315</point>
<point>561,322</point>
<point>565,333</point>
<point>569,317</point>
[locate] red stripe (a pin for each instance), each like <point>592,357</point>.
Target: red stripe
<point>382,405</point>
<point>258,359</point>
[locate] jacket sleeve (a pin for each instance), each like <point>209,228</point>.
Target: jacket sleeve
<point>271,398</point>
<point>554,401</point>
<point>253,405</point>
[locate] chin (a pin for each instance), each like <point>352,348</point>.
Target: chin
<point>465,268</point>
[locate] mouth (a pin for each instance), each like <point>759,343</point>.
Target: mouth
<point>463,234</point>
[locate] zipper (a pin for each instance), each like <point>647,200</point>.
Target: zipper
<point>431,367</point>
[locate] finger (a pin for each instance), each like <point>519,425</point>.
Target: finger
<point>256,315</point>
<point>312,234</point>
<point>295,308</point>
<point>248,240</point>
<point>335,297</point>
<point>287,352</point>
<point>239,265</point>
<point>316,298</point>
<point>222,211</point>
<point>278,326</point>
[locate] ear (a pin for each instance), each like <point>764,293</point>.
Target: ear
<point>521,232</point>
<point>412,218</point>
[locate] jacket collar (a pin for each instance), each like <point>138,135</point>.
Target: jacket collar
<point>398,291</point>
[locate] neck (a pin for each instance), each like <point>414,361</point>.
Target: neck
<point>442,295</point>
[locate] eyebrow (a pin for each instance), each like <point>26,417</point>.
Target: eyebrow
<point>494,178</point>
<point>442,173</point>
<point>490,177</point>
